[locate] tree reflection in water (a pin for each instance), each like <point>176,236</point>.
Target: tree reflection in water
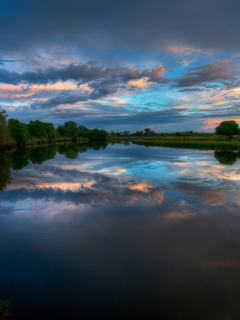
<point>19,158</point>
<point>227,157</point>
<point>5,171</point>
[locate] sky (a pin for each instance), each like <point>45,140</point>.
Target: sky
<point>121,65</point>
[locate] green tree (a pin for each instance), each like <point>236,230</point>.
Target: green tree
<point>71,128</point>
<point>147,131</point>
<point>126,133</point>
<point>226,157</point>
<point>97,134</point>
<point>63,132</point>
<point>227,128</point>
<point>82,131</point>
<point>19,131</point>
<point>5,134</point>
<point>52,133</point>
<point>37,129</point>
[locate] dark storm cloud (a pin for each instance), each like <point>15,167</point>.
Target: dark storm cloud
<point>148,26</point>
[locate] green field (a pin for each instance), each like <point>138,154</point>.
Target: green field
<point>198,141</point>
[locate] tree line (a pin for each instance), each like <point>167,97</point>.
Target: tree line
<point>22,132</point>
<point>13,131</point>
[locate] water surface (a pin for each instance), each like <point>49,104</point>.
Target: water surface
<point>120,232</point>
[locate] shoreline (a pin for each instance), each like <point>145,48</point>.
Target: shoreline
<point>146,141</point>
<point>210,145</point>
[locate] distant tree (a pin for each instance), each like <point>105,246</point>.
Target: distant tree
<point>71,128</point>
<point>153,133</point>
<point>147,131</point>
<point>227,128</point>
<point>63,132</point>
<point>238,131</point>
<point>178,133</point>
<point>126,133</point>
<point>82,131</point>
<point>37,129</point>
<point>19,131</point>
<point>97,134</point>
<point>52,133</point>
<point>226,157</point>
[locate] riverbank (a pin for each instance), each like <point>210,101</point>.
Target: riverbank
<point>43,141</point>
<point>201,141</point>
<point>191,143</point>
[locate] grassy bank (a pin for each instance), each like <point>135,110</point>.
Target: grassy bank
<point>209,143</point>
<point>35,142</point>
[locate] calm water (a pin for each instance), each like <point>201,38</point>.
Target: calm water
<point>123,232</point>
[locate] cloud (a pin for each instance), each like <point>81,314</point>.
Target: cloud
<point>157,75</point>
<point>155,27</point>
<point>200,76</point>
<point>81,73</point>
